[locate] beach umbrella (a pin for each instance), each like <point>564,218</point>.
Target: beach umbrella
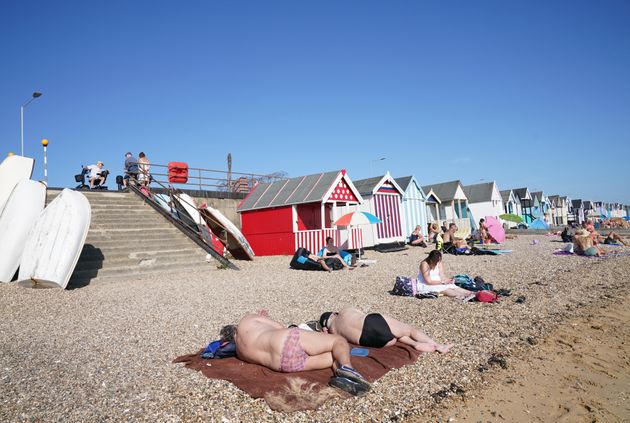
<point>495,228</point>
<point>510,217</point>
<point>357,218</point>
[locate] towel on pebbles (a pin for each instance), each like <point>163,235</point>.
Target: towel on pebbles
<point>301,390</point>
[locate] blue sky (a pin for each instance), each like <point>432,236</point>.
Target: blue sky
<point>532,93</point>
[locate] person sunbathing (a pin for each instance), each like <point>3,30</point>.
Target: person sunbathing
<point>416,237</point>
<point>261,340</point>
<point>451,240</point>
<point>377,330</point>
<point>611,238</point>
<point>432,278</point>
<point>321,261</point>
<point>583,244</point>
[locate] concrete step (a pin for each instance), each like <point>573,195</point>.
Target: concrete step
<point>150,225</point>
<point>95,274</point>
<point>146,261</point>
<point>90,253</point>
<point>132,245</point>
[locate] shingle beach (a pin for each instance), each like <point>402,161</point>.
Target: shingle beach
<point>105,352</point>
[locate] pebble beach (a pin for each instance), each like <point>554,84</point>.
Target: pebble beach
<point>105,352</point>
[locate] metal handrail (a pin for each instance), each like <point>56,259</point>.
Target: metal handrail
<point>193,232</point>
<point>223,183</point>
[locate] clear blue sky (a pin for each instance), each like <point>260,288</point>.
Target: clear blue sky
<point>528,93</point>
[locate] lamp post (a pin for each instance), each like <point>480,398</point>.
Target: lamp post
<point>35,95</point>
<point>372,164</point>
<point>45,144</point>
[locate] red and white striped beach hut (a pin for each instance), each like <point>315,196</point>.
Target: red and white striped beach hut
<point>279,217</point>
<point>383,198</point>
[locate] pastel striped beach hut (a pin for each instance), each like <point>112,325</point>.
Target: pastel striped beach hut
<point>279,217</point>
<point>383,198</point>
<point>414,205</point>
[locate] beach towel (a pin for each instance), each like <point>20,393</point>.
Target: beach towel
<point>300,390</point>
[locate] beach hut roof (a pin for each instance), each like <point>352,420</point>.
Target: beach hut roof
<point>446,191</point>
<point>506,194</point>
<point>370,186</point>
<point>318,187</point>
<point>577,203</point>
<point>404,182</point>
<point>522,193</point>
<point>479,193</point>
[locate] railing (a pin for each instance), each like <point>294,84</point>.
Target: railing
<point>315,239</point>
<point>214,180</point>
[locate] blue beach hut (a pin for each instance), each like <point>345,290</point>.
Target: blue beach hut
<point>414,204</point>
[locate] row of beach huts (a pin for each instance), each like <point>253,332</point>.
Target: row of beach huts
<point>281,216</point>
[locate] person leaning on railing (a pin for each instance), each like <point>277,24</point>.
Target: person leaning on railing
<point>131,169</point>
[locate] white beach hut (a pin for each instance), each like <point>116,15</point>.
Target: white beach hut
<point>484,200</point>
<point>414,204</point>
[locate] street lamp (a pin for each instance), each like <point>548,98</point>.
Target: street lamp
<point>372,163</point>
<point>35,95</point>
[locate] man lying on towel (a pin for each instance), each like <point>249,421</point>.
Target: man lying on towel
<point>263,341</point>
<point>377,330</point>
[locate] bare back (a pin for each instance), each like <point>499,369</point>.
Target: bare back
<point>349,324</point>
<point>260,340</point>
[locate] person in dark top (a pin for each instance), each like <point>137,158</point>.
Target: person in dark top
<point>377,330</point>
<point>131,169</point>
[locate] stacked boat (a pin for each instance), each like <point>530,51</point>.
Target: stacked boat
<point>43,242</point>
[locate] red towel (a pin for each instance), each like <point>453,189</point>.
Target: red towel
<point>277,388</point>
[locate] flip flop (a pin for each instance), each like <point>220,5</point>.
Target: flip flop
<point>349,386</point>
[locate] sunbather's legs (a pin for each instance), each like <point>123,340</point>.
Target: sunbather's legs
<point>409,335</point>
<point>324,350</point>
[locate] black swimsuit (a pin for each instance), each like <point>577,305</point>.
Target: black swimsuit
<point>376,332</point>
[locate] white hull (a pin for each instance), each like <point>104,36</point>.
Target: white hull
<point>20,212</point>
<point>13,169</point>
<point>236,242</point>
<point>55,242</point>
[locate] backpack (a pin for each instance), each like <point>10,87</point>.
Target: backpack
<point>486,296</point>
<point>404,286</point>
<point>466,282</point>
<point>333,263</point>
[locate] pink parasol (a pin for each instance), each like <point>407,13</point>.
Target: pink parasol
<point>495,229</point>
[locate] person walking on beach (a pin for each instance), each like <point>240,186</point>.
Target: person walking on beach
<point>261,340</point>
<point>377,330</point>
<point>144,166</point>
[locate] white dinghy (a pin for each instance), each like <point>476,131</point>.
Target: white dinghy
<point>55,242</point>
<point>18,216</point>
<point>13,169</point>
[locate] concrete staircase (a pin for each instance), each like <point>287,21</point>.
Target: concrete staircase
<point>127,238</point>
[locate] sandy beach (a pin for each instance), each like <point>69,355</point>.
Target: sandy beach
<point>104,352</point>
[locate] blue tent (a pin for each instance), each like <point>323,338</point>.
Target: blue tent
<point>538,224</point>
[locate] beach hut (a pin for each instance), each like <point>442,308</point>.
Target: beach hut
<point>453,202</point>
<point>576,212</point>
<point>559,210</point>
<point>526,202</point>
<point>383,198</point>
<point>484,200</point>
<point>542,207</point>
<point>414,204</point>
<point>511,204</point>
<point>279,217</point>
<point>433,206</point>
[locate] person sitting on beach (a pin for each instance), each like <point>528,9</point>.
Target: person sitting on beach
<point>97,175</point>
<point>567,234</point>
<point>331,251</point>
<point>611,238</point>
<point>416,238</point>
<point>484,233</point>
<point>434,231</point>
<point>444,226</point>
<point>450,240</point>
<point>432,278</point>
<point>377,330</point>
<point>321,261</point>
<point>583,244</point>
<point>261,340</point>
